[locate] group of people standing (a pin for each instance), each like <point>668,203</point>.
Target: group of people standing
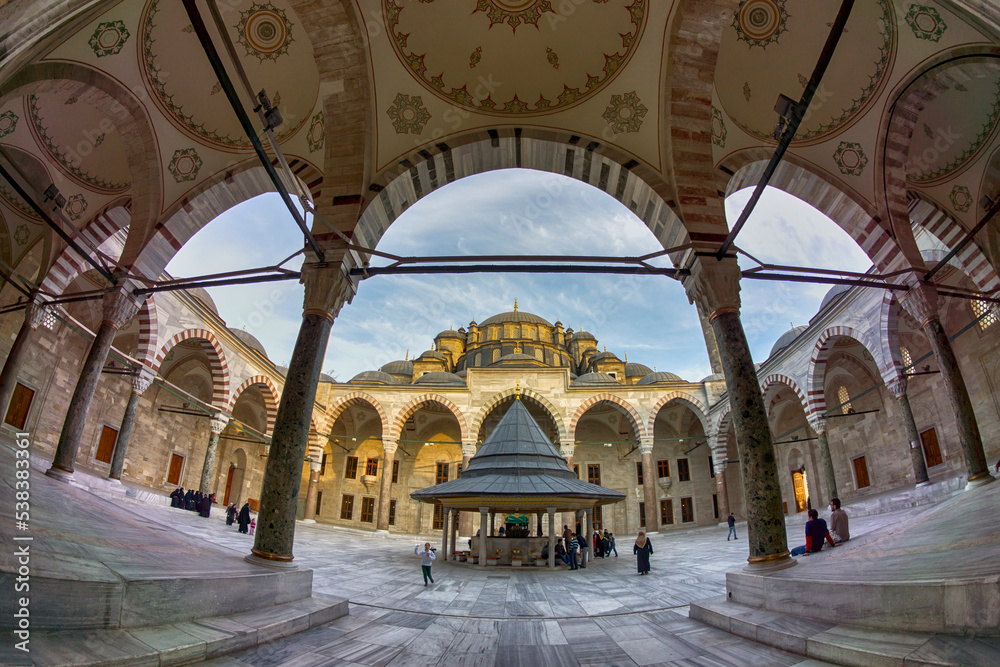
<point>241,517</point>
<point>192,500</point>
<point>604,544</point>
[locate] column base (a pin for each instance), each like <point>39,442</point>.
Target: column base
<point>254,559</point>
<point>926,482</point>
<point>307,520</point>
<point>60,475</point>
<point>769,566</point>
<point>381,533</point>
<point>983,479</point>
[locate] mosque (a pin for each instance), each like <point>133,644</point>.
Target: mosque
<point>127,127</point>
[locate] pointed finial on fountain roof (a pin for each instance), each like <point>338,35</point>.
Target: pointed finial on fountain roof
<point>517,394</point>
<point>515,304</point>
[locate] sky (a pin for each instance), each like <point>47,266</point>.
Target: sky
<point>517,211</point>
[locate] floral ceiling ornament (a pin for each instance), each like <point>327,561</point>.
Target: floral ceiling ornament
<point>109,38</point>
<point>514,13</point>
<point>718,128</point>
<point>317,132</point>
<point>75,207</point>
<point>746,90</point>
<point>264,31</point>
<point>552,57</point>
<point>8,122</point>
<point>21,234</point>
<point>475,57</point>
<point>925,22</point>
<point>625,113</point>
<point>850,158</point>
<point>408,114</point>
<point>760,22</point>
<point>184,165</point>
<point>961,198</point>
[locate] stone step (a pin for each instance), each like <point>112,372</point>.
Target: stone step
<point>177,643</point>
<point>844,644</point>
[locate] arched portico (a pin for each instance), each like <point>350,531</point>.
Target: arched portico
<point>526,395</point>
<point>216,359</point>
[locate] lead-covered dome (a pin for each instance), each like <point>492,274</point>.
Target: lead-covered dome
<point>594,378</point>
<point>659,376</point>
<point>785,339</point>
<point>398,367</point>
<point>374,377</point>
<point>248,340</point>
<point>514,316</point>
<point>440,377</point>
<point>633,370</point>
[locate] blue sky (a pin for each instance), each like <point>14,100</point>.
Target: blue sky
<point>517,212</point>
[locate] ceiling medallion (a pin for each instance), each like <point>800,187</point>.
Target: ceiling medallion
<point>184,165</point>
<point>8,122</point>
<point>719,131</point>
<point>760,22</point>
<point>625,113</point>
<point>264,31</point>
<point>925,22</point>
<point>850,158</point>
<point>21,234</point>
<point>408,114</point>
<point>75,207</point>
<point>317,133</point>
<point>109,38</point>
<point>514,12</point>
<point>961,198</point>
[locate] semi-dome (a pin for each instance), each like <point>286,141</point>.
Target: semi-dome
<point>398,367</point>
<point>374,377</point>
<point>833,294</point>
<point>786,339</point>
<point>634,370</point>
<point>440,377</point>
<point>659,376</point>
<point>514,316</point>
<point>248,340</point>
<point>450,333</point>
<point>594,378</point>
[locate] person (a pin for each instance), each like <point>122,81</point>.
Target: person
<point>642,550</point>
<point>426,558</point>
<point>561,552</point>
<point>732,527</point>
<point>567,535</point>
<point>606,544</point>
<point>574,545</point>
<point>231,513</point>
<point>998,465</point>
<point>816,532</point>
<point>500,532</point>
<point>598,545</point>
<point>545,552</point>
<point>206,505</point>
<point>244,517</point>
<point>253,525</point>
<point>179,491</point>
<point>188,500</point>
<point>838,522</point>
<point>611,543</point>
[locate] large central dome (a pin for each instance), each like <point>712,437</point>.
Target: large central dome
<point>515,316</point>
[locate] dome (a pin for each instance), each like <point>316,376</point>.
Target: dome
<point>464,373</point>
<point>594,378</point>
<point>398,367</point>
<point>832,295</point>
<point>786,339</point>
<point>714,377</point>
<point>590,350</point>
<point>583,335</point>
<point>440,378</point>
<point>517,359</point>
<point>374,377</point>
<point>323,377</point>
<point>450,333</point>
<point>248,340</point>
<point>433,354</point>
<point>659,376</point>
<point>604,355</point>
<point>202,295</point>
<point>633,370</point>
<point>514,316</point>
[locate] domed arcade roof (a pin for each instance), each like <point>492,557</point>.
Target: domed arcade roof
<point>785,339</point>
<point>594,378</point>
<point>833,294</point>
<point>398,367</point>
<point>660,376</point>
<point>248,340</point>
<point>633,369</point>
<point>450,333</point>
<point>374,377</point>
<point>440,377</point>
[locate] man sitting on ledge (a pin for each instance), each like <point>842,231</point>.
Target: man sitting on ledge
<point>838,522</point>
<point>816,532</point>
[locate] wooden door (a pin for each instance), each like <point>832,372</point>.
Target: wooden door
<point>20,403</point>
<point>106,446</point>
<point>174,472</point>
<point>799,484</point>
<point>861,472</point>
<point>932,450</point>
<point>229,484</point>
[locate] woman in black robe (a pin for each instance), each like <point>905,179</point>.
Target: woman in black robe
<point>205,509</point>
<point>244,518</point>
<point>175,496</point>
<point>188,500</point>
<point>642,549</point>
<point>231,513</point>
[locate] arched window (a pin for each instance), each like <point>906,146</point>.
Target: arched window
<point>907,358</point>
<point>844,397</point>
<point>981,309</point>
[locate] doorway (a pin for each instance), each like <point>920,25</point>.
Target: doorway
<point>174,472</point>
<point>229,483</point>
<point>799,486</point>
<point>932,450</point>
<point>861,472</point>
<point>106,445</point>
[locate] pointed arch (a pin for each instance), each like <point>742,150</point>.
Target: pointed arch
<point>216,360</point>
<point>149,331</point>
<point>407,411</point>
<point>948,231</point>
<point>271,397</point>
<point>68,266</point>
<point>500,397</point>
<point>630,412</point>
<point>354,398</point>
<point>770,384</point>
<point>693,403</point>
<point>721,440</point>
<point>816,399</point>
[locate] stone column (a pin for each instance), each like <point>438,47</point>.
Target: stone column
<point>568,518</point>
<point>119,306</point>
<point>217,424</point>
<point>712,345</point>
<point>312,493</point>
<point>467,520</point>
<point>714,286</point>
<point>898,388</point>
<point>446,516</point>
<point>493,524</point>
<point>922,302</point>
<point>327,288</point>
<point>587,537</point>
<point>385,485</point>
<point>33,314</point>
<point>141,379</point>
<point>722,492</point>
<point>454,534</point>
<point>825,462</point>
<point>539,516</point>
<point>552,537</point>
<point>649,487</point>
<point>482,535</point>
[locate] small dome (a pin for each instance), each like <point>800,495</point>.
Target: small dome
<point>659,376</point>
<point>450,333</point>
<point>786,339</point>
<point>714,377</point>
<point>433,354</point>
<point>248,340</point>
<point>323,377</point>
<point>202,295</point>
<point>611,356</point>
<point>374,377</point>
<point>590,350</point>
<point>440,378</point>
<point>398,367</point>
<point>463,373</point>
<point>833,294</point>
<point>633,370</point>
<point>594,378</point>
<point>583,335</point>
<point>514,316</point>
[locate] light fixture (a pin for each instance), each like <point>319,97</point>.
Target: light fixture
<point>784,107</point>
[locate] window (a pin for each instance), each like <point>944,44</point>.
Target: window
<point>576,471</point>
<point>687,510</point>
<point>371,468</point>
<point>844,397</point>
<point>594,474</point>
<point>642,515</point>
<point>367,510</point>
<point>666,512</point>
<point>715,504</point>
<point>438,518</point>
<point>861,472</point>
<point>683,472</point>
<point>347,507</point>
<point>663,468</point>
<point>395,471</point>
<point>638,472</point>
<point>907,358</point>
<point>711,467</point>
<point>174,472</point>
<point>20,403</point>
<point>458,470</point>
<point>442,474</point>
<point>319,501</point>
<point>598,518</point>
<point>392,512</point>
<point>322,465</point>
<point>106,445</point>
<point>351,472</point>
<point>981,311</point>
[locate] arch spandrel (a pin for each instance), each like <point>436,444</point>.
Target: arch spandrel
<point>404,413</point>
<point>943,226</point>
<point>626,408</point>
<point>500,397</point>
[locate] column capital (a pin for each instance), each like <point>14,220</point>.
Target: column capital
<point>921,301</point>
<point>484,510</point>
<point>566,450</point>
<point>646,445</point>
<point>120,305</point>
<point>551,510</point>
<point>714,286</point>
<point>818,423</point>
<point>468,449</point>
<point>315,466</point>
<point>328,286</point>
<point>390,446</point>
<point>897,386</point>
<point>218,423</point>
<point>142,377</point>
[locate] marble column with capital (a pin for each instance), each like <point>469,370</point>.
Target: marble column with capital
<point>467,520</point>
<point>829,476</point>
<point>327,289</point>
<point>898,388</point>
<point>142,377</point>
<point>552,537</point>
<point>649,486</point>
<point>922,301</point>
<point>217,424</point>
<point>385,484</point>
<point>33,315</point>
<point>721,490</point>
<point>568,518</point>
<point>118,307</point>
<point>714,286</point>
<point>483,532</point>
<point>312,492</point>
<point>445,531</point>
